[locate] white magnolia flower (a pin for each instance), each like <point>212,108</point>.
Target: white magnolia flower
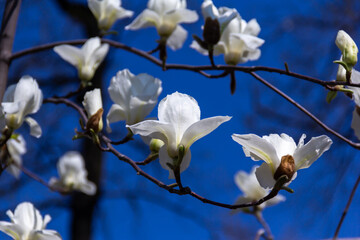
<point>20,100</point>
<point>73,175</point>
<point>239,42</point>
<point>86,59</point>
<point>223,15</point>
<point>355,78</point>
<point>134,97</point>
<point>166,15</point>
<point>107,12</point>
<point>93,107</point>
<point>281,155</point>
<point>28,224</point>
<point>179,124</point>
<point>347,47</point>
<point>16,147</point>
<point>252,190</point>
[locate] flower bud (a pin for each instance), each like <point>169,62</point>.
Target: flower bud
<point>286,167</point>
<point>211,31</point>
<point>155,145</point>
<point>348,48</point>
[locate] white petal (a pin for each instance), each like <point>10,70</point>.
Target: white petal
<point>88,188</point>
<point>71,54</point>
<point>95,7</point>
<point>35,129</point>
<point>195,45</point>
<point>202,128</point>
<point>177,38</point>
<point>98,56</point>
<point>28,91</point>
<point>283,144</point>
<point>92,101</point>
<point>70,161</point>
<point>155,129</point>
<point>208,9</point>
<point>147,18</point>
<point>120,88</point>
<point>181,16</point>
<point>273,201</point>
<point>265,176</point>
<point>180,110</point>
<point>115,114</point>
<point>311,151</point>
<point>27,216</point>
<point>258,148</point>
<point>164,158</point>
<point>355,78</point>
<point>13,230</point>
<point>355,123</point>
<point>252,28</point>
<point>89,47</point>
<point>46,235</point>
<point>251,42</point>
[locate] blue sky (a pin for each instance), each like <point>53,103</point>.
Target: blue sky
<point>301,34</point>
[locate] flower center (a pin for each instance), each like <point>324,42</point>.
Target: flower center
<point>286,167</point>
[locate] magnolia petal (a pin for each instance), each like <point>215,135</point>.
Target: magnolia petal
<point>257,148</point>
<point>147,18</point>
<point>208,9</point>
<point>95,7</point>
<point>355,78</point>
<point>92,101</point>
<point>301,141</point>
<point>251,42</point>
<point>265,177</point>
<point>195,45</point>
<point>273,201</point>
<point>154,129</point>
<point>88,188</point>
<point>98,56</point>
<point>180,110</point>
<point>311,151</point>
<point>46,235</point>
<point>9,94</point>
<point>70,161</point>
<point>252,28</point>
<point>120,87</point>
<point>202,128</point>
<point>355,123</point>
<point>220,48</point>
<point>283,144</point>
<point>27,216</point>
<point>164,158</point>
<point>89,47</point>
<point>13,170</point>
<point>115,114</point>
<point>71,54</point>
<point>177,38</point>
<point>35,129</point>
<point>181,15</point>
<point>12,230</point>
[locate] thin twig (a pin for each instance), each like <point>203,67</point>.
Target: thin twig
<point>149,159</point>
<point>346,208</point>
<point>304,110</point>
<point>197,69</point>
<point>68,103</point>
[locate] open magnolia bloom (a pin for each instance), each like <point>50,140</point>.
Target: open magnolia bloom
<point>252,190</point>
<point>15,147</point>
<point>28,224</point>
<point>86,59</point>
<point>166,15</point>
<point>134,97</point>
<point>73,175</point>
<point>223,16</point>
<point>179,126</point>
<point>93,107</point>
<point>281,154</point>
<point>239,42</point>
<point>20,100</point>
<point>107,12</point>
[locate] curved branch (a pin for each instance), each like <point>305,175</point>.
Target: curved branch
<point>198,69</point>
<point>304,110</point>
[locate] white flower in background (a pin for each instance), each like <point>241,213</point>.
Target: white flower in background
<point>73,175</point>
<point>347,47</point>
<point>107,12</point>
<point>134,97</point>
<point>166,15</point>
<point>239,42</point>
<point>281,155</point>
<point>86,59</point>
<point>20,100</point>
<point>179,124</point>
<point>15,147</point>
<point>223,15</point>
<point>28,224</point>
<point>93,107</point>
<point>355,78</point>
<point>252,190</point>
